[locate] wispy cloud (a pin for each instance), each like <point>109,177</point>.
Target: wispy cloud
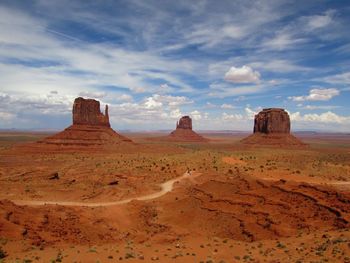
<point>160,59</point>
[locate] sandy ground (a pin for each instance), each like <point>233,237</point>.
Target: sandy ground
<point>240,204</point>
<point>164,189</point>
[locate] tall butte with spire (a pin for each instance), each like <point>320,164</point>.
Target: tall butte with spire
<point>272,127</point>
<point>90,127</point>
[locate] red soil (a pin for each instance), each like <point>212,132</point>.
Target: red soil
<point>273,139</point>
<point>186,135</point>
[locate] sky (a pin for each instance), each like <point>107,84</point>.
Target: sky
<point>151,61</point>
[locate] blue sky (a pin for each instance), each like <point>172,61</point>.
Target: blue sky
<point>152,61</point>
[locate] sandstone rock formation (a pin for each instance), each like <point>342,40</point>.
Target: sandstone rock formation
<point>184,123</point>
<point>272,127</point>
<point>272,120</point>
<point>90,127</point>
<point>87,112</point>
<point>184,132</point>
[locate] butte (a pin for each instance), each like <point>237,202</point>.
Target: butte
<point>272,127</point>
<point>91,128</point>
<point>184,132</point>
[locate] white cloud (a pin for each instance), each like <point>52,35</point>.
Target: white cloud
<point>93,95</point>
<point>318,107</point>
<point>125,97</point>
<point>320,21</point>
<point>29,38</point>
<point>175,114</point>
<point>36,60</point>
<point>231,117</point>
<point>151,103</point>
<point>226,106</point>
<point>282,41</point>
<point>165,88</point>
<point>343,78</point>
<point>210,105</point>
<point>223,90</point>
<point>244,74</point>
<point>7,116</point>
<point>15,109</point>
<point>317,95</point>
<point>251,113</point>
<point>326,117</point>
<point>278,65</point>
<point>171,101</point>
<point>196,115</point>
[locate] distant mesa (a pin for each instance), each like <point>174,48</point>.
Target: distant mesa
<point>272,120</point>
<point>184,132</point>
<point>272,127</point>
<point>90,127</point>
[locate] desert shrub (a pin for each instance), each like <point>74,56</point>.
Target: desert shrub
<point>2,253</point>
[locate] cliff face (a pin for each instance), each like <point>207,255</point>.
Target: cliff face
<point>87,112</point>
<point>90,128</point>
<point>184,123</point>
<point>272,120</point>
<point>184,132</point>
<point>272,127</point>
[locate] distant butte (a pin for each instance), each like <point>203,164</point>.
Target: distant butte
<point>90,127</point>
<point>184,132</point>
<point>272,127</point>
<point>272,120</point>
<point>87,112</point>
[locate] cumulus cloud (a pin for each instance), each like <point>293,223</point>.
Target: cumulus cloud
<point>152,103</point>
<point>244,74</point>
<point>175,114</point>
<point>317,95</point>
<point>196,115</point>
<point>326,117</point>
<point>232,117</point>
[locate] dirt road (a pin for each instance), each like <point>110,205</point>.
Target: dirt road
<point>165,188</point>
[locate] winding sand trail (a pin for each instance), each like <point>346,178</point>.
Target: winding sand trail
<point>165,188</point>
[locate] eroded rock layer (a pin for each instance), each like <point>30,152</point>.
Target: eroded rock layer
<point>272,127</point>
<point>90,127</point>
<point>272,120</point>
<point>184,123</point>
<point>184,132</point>
<point>87,112</point>
<point>85,135</point>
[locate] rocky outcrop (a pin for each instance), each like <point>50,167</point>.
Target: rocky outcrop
<point>184,123</point>
<point>87,112</point>
<point>272,127</point>
<point>184,132</point>
<point>272,120</point>
<point>90,128</point>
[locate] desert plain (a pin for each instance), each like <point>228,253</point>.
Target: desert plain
<point>169,201</point>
